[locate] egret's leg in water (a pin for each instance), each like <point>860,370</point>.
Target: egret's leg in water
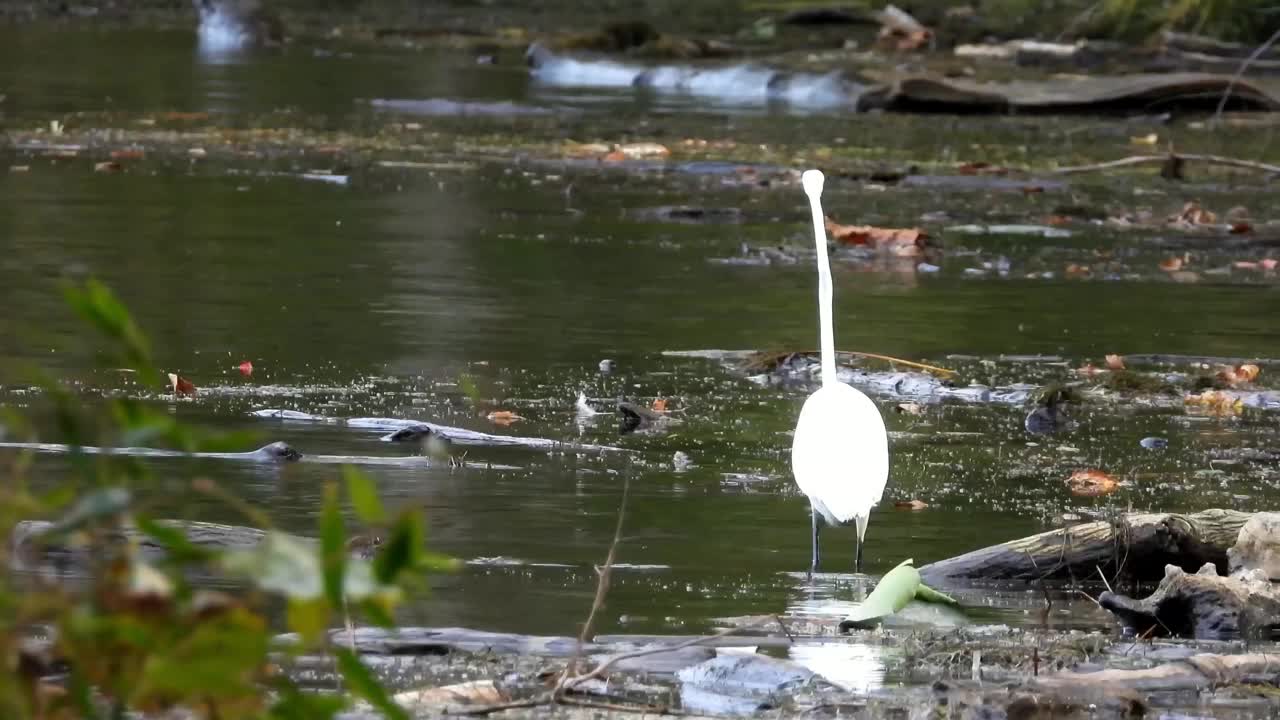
<point>857,556</point>
<point>813,563</point>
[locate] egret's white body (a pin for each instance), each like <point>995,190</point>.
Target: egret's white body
<point>840,453</point>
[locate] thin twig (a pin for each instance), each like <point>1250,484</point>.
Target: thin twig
<point>785,630</point>
<point>1226,94</point>
<point>602,584</point>
<point>876,356</point>
<point>614,659</point>
<point>1162,159</point>
<point>1104,579</point>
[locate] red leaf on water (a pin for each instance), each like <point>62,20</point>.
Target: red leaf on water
<point>128,154</point>
<point>1115,362</point>
<point>503,417</point>
<point>245,368</point>
<point>660,405</point>
<point>1092,483</point>
<point>181,385</point>
<point>911,504</point>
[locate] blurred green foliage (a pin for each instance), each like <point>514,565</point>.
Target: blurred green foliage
<point>136,634</point>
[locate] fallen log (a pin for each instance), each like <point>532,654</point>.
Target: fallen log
<point>1203,605</point>
<point>32,549</point>
<point>1165,159</point>
<point>1134,546</point>
<point>1201,672</point>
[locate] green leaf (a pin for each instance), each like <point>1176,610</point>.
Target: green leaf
<point>377,613</point>
<point>362,683</point>
<point>290,566</point>
<point>98,306</point>
<point>97,505</point>
<point>308,618</point>
<point>403,550</point>
<point>333,552</point>
<point>890,595</point>
<point>178,546</point>
<point>293,704</point>
<point>214,659</point>
<point>364,496</point>
<point>924,593</point>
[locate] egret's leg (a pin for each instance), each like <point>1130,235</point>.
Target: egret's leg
<point>862,540</point>
<point>857,556</point>
<point>813,562</point>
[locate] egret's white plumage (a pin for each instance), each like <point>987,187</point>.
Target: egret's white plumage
<point>840,454</point>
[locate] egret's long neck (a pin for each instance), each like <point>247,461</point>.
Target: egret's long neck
<point>824,293</point>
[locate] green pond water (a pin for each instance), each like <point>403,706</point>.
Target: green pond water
<point>377,297</point>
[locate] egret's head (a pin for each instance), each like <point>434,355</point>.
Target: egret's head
<point>812,182</point>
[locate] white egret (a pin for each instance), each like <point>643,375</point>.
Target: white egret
<point>840,453</point>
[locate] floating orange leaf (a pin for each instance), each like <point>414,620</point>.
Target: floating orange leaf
<point>1089,370</point>
<point>660,405</point>
<point>911,504</point>
<point>1115,362</point>
<point>245,368</point>
<point>1241,227</point>
<point>503,417</point>
<point>1267,263</point>
<point>1091,483</point>
<point>128,154</point>
<point>895,241</point>
<point>181,385</point>
<point>1172,264</point>
<point>111,166</point>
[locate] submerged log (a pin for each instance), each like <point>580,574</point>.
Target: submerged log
<point>33,549</point>
<point>1134,546</point>
<point>1203,605</point>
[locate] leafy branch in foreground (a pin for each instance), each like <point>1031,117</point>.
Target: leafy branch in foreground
<point>135,632</point>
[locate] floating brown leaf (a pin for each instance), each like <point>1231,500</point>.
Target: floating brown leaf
<point>1193,214</point>
<point>1172,264</point>
<point>1239,375</point>
<point>245,368</point>
<point>128,154</point>
<point>904,242</point>
<point>110,166</point>
<point>981,168</point>
<point>181,385</point>
<point>1115,362</point>
<point>912,504</point>
<point>660,405</point>
<point>1267,263</point>
<point>1091,483</point>
<point>1241,227</point>
<point>503,417</point>
<point>909,408</point>
<point>1216,402</point>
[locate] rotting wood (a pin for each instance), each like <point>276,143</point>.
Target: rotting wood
<point>1163,159</point>
<point>1203,605</point>
<point>1196,673</point>
<point>1134,545</point>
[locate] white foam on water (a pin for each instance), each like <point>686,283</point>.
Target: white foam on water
<point>739,84</point>
<point>568,72</point>
<point>220,31</point>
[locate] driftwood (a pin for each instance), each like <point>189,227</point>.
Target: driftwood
<point>1135,546</point>
<point>1199,672</point>
<point>1202,605</point>
<point>1165,159</point>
